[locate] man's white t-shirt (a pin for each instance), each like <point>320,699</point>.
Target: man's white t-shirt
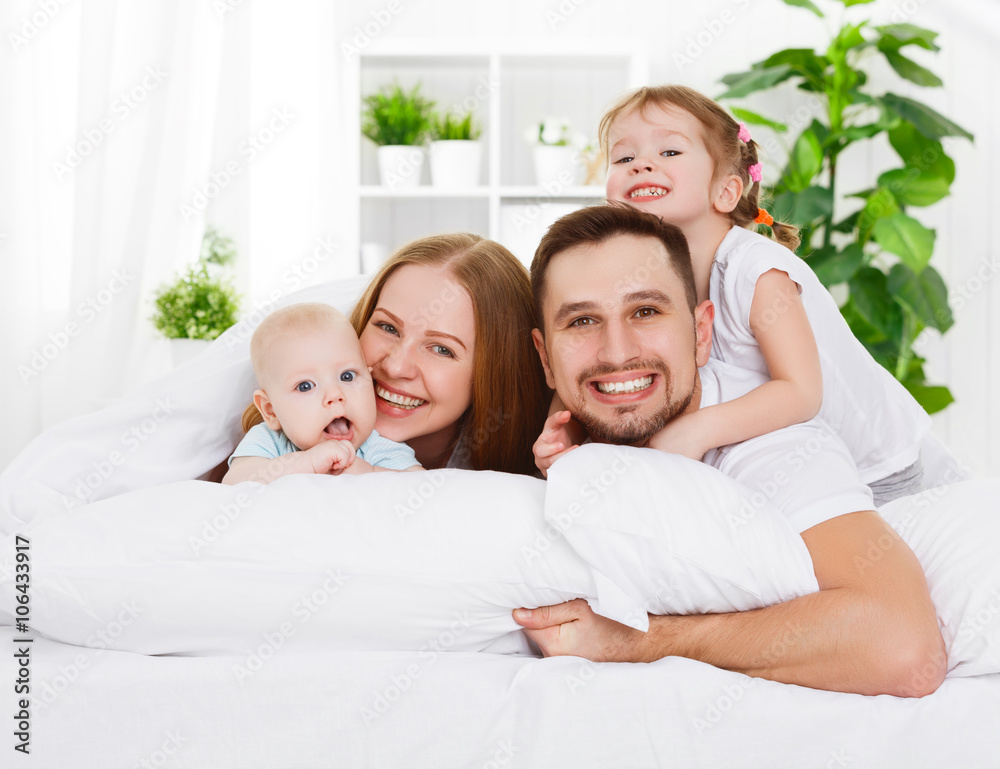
<point>806,471</point>
<point>875,416</point>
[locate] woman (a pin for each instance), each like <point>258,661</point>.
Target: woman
<point>446,327</point>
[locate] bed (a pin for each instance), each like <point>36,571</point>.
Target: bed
<point>176,622</point>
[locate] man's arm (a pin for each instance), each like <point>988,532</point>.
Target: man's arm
<point>871,629</point>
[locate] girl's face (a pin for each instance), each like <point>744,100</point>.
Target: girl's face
<point>658,162</point>
<point>420,345</point>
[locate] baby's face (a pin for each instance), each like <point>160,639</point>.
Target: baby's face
<point>319,385</point>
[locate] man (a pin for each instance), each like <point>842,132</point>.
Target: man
<point>621,343</point>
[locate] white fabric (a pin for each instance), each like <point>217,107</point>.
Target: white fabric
<point>95,709</point>
<point>955,533</point>
<point>805,471</point>
<point>673,532</point>
<point>877,418</point>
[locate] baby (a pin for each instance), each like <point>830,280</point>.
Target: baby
<point>316,400</point>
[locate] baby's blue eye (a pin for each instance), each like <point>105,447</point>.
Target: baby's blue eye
<point>348,376</point>
<point>304,387</point>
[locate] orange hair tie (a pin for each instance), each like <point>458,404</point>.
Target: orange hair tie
<point>763,217</point>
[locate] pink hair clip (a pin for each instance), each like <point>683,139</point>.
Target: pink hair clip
<point>744,134</point>
<point>756,171</point>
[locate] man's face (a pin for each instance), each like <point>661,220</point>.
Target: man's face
<point>621,347</point>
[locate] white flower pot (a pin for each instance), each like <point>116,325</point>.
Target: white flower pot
<point>456,163</point>
<point>399,165</point>
<point>183,350</point>
<point>557,166</point>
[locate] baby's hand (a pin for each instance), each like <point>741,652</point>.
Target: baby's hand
<point>681,436</point>
<point>555,441</point>
<point>331,457</point>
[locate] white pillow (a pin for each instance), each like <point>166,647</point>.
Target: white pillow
<point>674,533</point>
<point>955,532</point>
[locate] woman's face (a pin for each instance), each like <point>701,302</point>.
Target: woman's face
<point>420,345</point>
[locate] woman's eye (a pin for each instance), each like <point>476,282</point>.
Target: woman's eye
<point>304,387</point>
<point>387,327</point>
<point>440,349</point>
<point>348,376</point>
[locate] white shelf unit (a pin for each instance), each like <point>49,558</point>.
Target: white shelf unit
<point>510,86</point>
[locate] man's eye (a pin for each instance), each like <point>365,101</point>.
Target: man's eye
<point>387,327</point>
<point>440,349</point>
<point>304,387</point>
<point>645,312</point>
<point>348,376</point>
<point>582,322</point>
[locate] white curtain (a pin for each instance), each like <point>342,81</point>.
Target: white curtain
<point>106,128</point>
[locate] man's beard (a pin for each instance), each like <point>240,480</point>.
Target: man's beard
<point>628,427</point>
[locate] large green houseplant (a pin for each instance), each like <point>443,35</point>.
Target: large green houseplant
<point>880,250</point>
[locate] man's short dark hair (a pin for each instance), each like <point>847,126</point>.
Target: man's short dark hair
<point>598,224</point>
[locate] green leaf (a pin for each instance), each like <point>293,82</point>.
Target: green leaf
<point>832,266</point>
<point>807,4</point>
<point>804,62</point>
<point>931,124</point>
<point>744,83</point>
<point>925,295</point>
<point>913,188</point>
<point>895,36</point>
<point>805,161</point>
<point>907,238</point>
<point>880,203</point>
<point>917,151</point>
<point>755,119</point>
<point>910,70</point>
<point>870,296</point>
<point>852,134</point>
<point>932,398</point>
<point>849,3</point>
<point>802,208</point>
<point>849,37</point>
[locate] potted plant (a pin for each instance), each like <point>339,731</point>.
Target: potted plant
<point>201,303</point>
<point>456,155</point>
<point>558,152</point>
<point>397,121</point>
<point>876,248</point>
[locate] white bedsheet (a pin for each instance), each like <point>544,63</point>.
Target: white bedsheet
<point>396,710</point>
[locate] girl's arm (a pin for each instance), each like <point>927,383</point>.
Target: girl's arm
<point>560,435</point>
<point>794,394</point>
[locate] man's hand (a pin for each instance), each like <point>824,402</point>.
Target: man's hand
<point>556,440</point>
<point>684,435</point>
<point>573,629</point>
<point>331,457</point>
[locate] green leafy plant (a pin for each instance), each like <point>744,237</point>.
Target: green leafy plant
<point>201,304</point>
<point>453,127</point>
<point>881,251</point>
<point>395,116</point>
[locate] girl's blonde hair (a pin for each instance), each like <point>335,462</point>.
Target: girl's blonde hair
<point>721,136</point>
<point>509,396</point>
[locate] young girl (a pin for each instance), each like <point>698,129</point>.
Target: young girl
<point>676,153</point>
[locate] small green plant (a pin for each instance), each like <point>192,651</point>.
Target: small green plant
<point>880,251</point>
<point>453,127</point>
<point>393,116</point>
<point>200,304</point>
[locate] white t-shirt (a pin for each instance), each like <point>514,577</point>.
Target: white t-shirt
<point>804,470</point>
<point>875,416</point>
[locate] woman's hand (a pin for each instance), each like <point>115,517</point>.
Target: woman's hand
<point>556,440</point>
